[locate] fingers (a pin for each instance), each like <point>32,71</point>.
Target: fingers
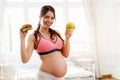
<point>68,33</point>
<point>22,34</point>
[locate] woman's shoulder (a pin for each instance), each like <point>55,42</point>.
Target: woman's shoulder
<point>32,36</point>
<point>58,31</point>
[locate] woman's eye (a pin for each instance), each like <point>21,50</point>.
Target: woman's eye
<point>52,18</point>
<point>46,16</point>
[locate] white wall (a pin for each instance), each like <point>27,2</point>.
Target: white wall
<point>108,36</point>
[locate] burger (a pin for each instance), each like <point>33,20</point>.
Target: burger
<point>26,27</point>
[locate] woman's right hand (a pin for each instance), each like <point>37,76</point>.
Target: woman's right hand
<point>22,34</point>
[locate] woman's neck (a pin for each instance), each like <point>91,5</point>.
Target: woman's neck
<point>44,30</point>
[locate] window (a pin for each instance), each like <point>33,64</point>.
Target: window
<point>14,0</point>
<point>19,12</point>
<point>13,18</point>
<point>80,38</point>
<point>74,0</point>
<point>45,0</point>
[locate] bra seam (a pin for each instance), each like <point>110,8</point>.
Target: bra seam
<point>48,52</point>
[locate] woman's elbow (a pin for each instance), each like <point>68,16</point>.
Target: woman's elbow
<point>24,61</point>
<point>66,56</point>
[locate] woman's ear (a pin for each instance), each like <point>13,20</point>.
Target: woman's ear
<point>39,17</point>
<point>40,20</point>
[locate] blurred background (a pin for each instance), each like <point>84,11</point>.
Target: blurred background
<point>97,33</point>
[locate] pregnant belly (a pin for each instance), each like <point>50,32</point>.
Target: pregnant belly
<point>54,65</point>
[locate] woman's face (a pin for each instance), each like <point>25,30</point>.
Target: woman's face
<point>47,20</point>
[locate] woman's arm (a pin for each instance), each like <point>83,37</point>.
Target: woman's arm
<point>26,51</point>
<point>66,46</point>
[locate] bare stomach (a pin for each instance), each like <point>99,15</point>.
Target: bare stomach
<point>54,63</point>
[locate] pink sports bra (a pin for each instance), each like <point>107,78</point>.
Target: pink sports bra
<point>46,46</point>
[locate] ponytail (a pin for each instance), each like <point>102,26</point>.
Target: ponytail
<point>36,31</point>
<point>53,32</point>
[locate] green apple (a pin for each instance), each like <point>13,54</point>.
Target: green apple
<point>70,25</point>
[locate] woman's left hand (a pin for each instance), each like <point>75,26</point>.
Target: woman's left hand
<point>68,33</point>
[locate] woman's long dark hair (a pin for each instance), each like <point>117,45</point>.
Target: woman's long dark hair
<point>44,10</point>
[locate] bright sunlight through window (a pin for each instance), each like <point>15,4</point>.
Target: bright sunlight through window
<point>19,12</point>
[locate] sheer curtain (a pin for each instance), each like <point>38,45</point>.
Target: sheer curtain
<point>104,15</point>
<point>90,12</point>
<point>116,37</point>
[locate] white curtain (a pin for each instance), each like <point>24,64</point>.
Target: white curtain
<point>104,16</point>
<point>89,7</point>
<point>116,25</point>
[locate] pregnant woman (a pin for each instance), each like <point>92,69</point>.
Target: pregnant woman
<point>49,44</point>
